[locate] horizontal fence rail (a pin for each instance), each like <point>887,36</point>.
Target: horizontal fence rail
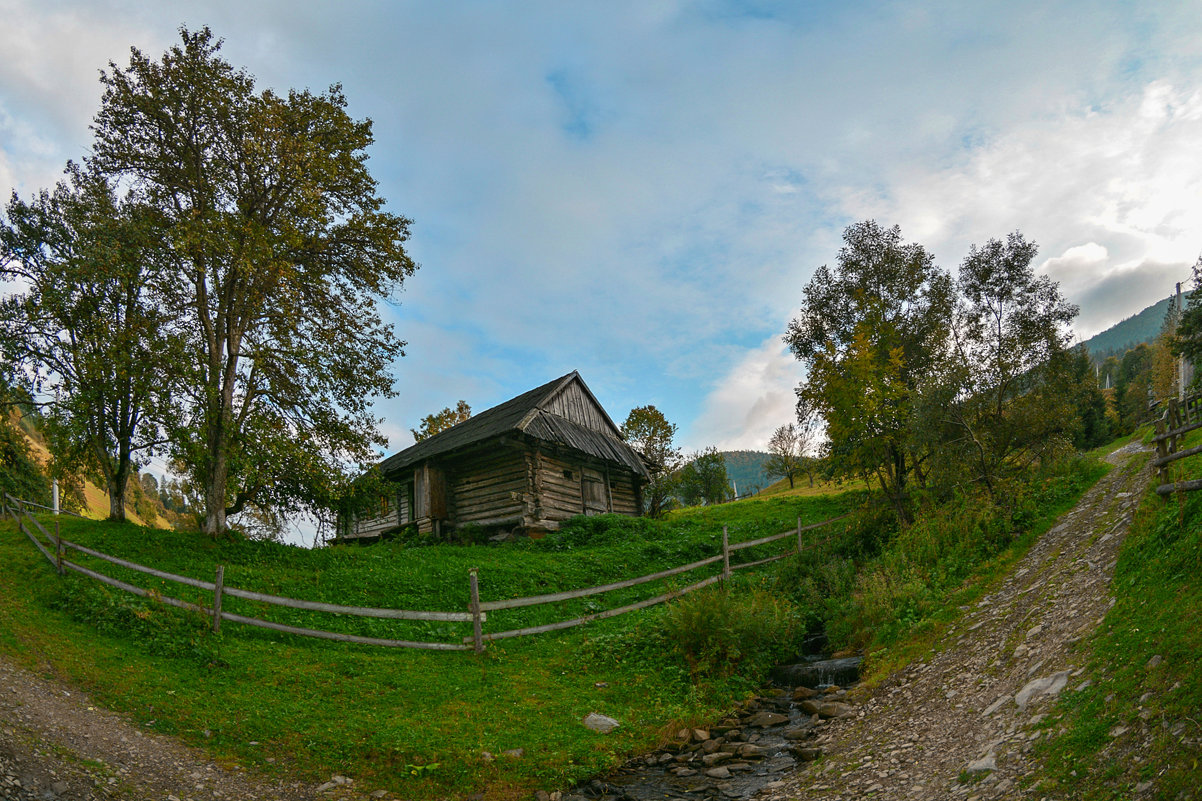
<point>477,613</point>
<point>1178,419</point>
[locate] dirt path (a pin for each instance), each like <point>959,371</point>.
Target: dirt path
<point>969,711</point>
<point>56,744</point>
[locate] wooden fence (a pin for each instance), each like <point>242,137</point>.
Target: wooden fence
<point>477,613</point>
<point>1178,419</point>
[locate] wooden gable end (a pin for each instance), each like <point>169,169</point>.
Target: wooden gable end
<point>575,402</point>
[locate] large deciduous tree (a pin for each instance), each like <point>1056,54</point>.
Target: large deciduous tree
<point>1009,377</point>
<point>86,325</point>
<point>649,432</point>
<point>870,330</point>
<point>277,248</point>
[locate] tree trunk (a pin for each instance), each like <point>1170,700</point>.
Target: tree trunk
<point>115,485</point>
<point>215,523</point>
<point>790,481</point>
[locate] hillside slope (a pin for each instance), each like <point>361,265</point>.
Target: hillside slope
<point>745,469</point>
<point>965,720</point>
<point>96,500</point>
<point>1127,334</point>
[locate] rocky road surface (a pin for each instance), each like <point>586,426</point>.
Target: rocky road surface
<point>56,744</point>
<point>962,723</point>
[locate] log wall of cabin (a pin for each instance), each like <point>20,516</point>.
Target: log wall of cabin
<point>398,514</point>
<point>490,488</point>
<point>561,497</point>
<point>624,493</point>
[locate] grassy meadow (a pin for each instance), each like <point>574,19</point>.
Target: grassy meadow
<point>423,724</point>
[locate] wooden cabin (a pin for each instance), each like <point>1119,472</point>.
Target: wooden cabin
<point>524,466</point>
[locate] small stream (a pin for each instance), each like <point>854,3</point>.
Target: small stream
<point>768,738</point>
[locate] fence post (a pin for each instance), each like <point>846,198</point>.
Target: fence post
<point>725,555</point>
<point>1162,449</point>
<point>218,589</point>
<point>477,629</point>
<point>798,535</point>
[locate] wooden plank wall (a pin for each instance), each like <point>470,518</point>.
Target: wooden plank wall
<point>624,491</point>
<point>561,497</point>
<point>398,514</point>
<point>490,488</point>
<point>576,406</point>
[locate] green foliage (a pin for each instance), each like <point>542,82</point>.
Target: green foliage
<point>87,327</point>
<point>649,432</point>
<point>1133,387</point>
<point>440,421</point>
<point>869,331</point>
<point>20,475</point>
<point>724,630</point>
<point>704,479</point>
<point>273,282</point>
<point>920,566</point>
<point>161,629</point>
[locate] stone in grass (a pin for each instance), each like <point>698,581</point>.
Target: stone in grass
<point>601,724</point>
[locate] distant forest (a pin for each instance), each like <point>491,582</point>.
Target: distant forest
<point>745,469</point>
<point>1121,337</point>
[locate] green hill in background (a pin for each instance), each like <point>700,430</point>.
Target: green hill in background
<point>1138,328</point>
<point>746,470</point>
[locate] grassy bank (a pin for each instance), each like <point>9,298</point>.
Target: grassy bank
<point>1137,724</point>
<point>422,724</point>
<point>417,723</point>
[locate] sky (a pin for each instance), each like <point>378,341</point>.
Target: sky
<point>640,190</point>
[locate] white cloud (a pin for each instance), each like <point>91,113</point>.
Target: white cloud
<point>1116,192</point>
<point>750,402</point>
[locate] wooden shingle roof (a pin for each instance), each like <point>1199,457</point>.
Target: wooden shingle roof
<point>527,414</point>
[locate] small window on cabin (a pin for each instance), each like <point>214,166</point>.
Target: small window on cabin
<point>383,505</point>
<point>567,474</point>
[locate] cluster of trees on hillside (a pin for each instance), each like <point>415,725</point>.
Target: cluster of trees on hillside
<point>675,478</point>
<point>204,285</point>
<point>925,379</point>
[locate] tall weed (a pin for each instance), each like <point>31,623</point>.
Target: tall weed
<point>723,630</point>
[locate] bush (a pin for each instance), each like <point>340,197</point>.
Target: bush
<point>719,631</point>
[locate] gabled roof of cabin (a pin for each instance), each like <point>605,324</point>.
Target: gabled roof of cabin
<point>526,414</point>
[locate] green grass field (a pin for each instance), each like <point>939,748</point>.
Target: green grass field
<point>420,723</point>
<point>385,716</point>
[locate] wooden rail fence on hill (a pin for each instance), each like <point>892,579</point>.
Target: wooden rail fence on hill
<point>1178,419</point>
<point>477,613</point>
